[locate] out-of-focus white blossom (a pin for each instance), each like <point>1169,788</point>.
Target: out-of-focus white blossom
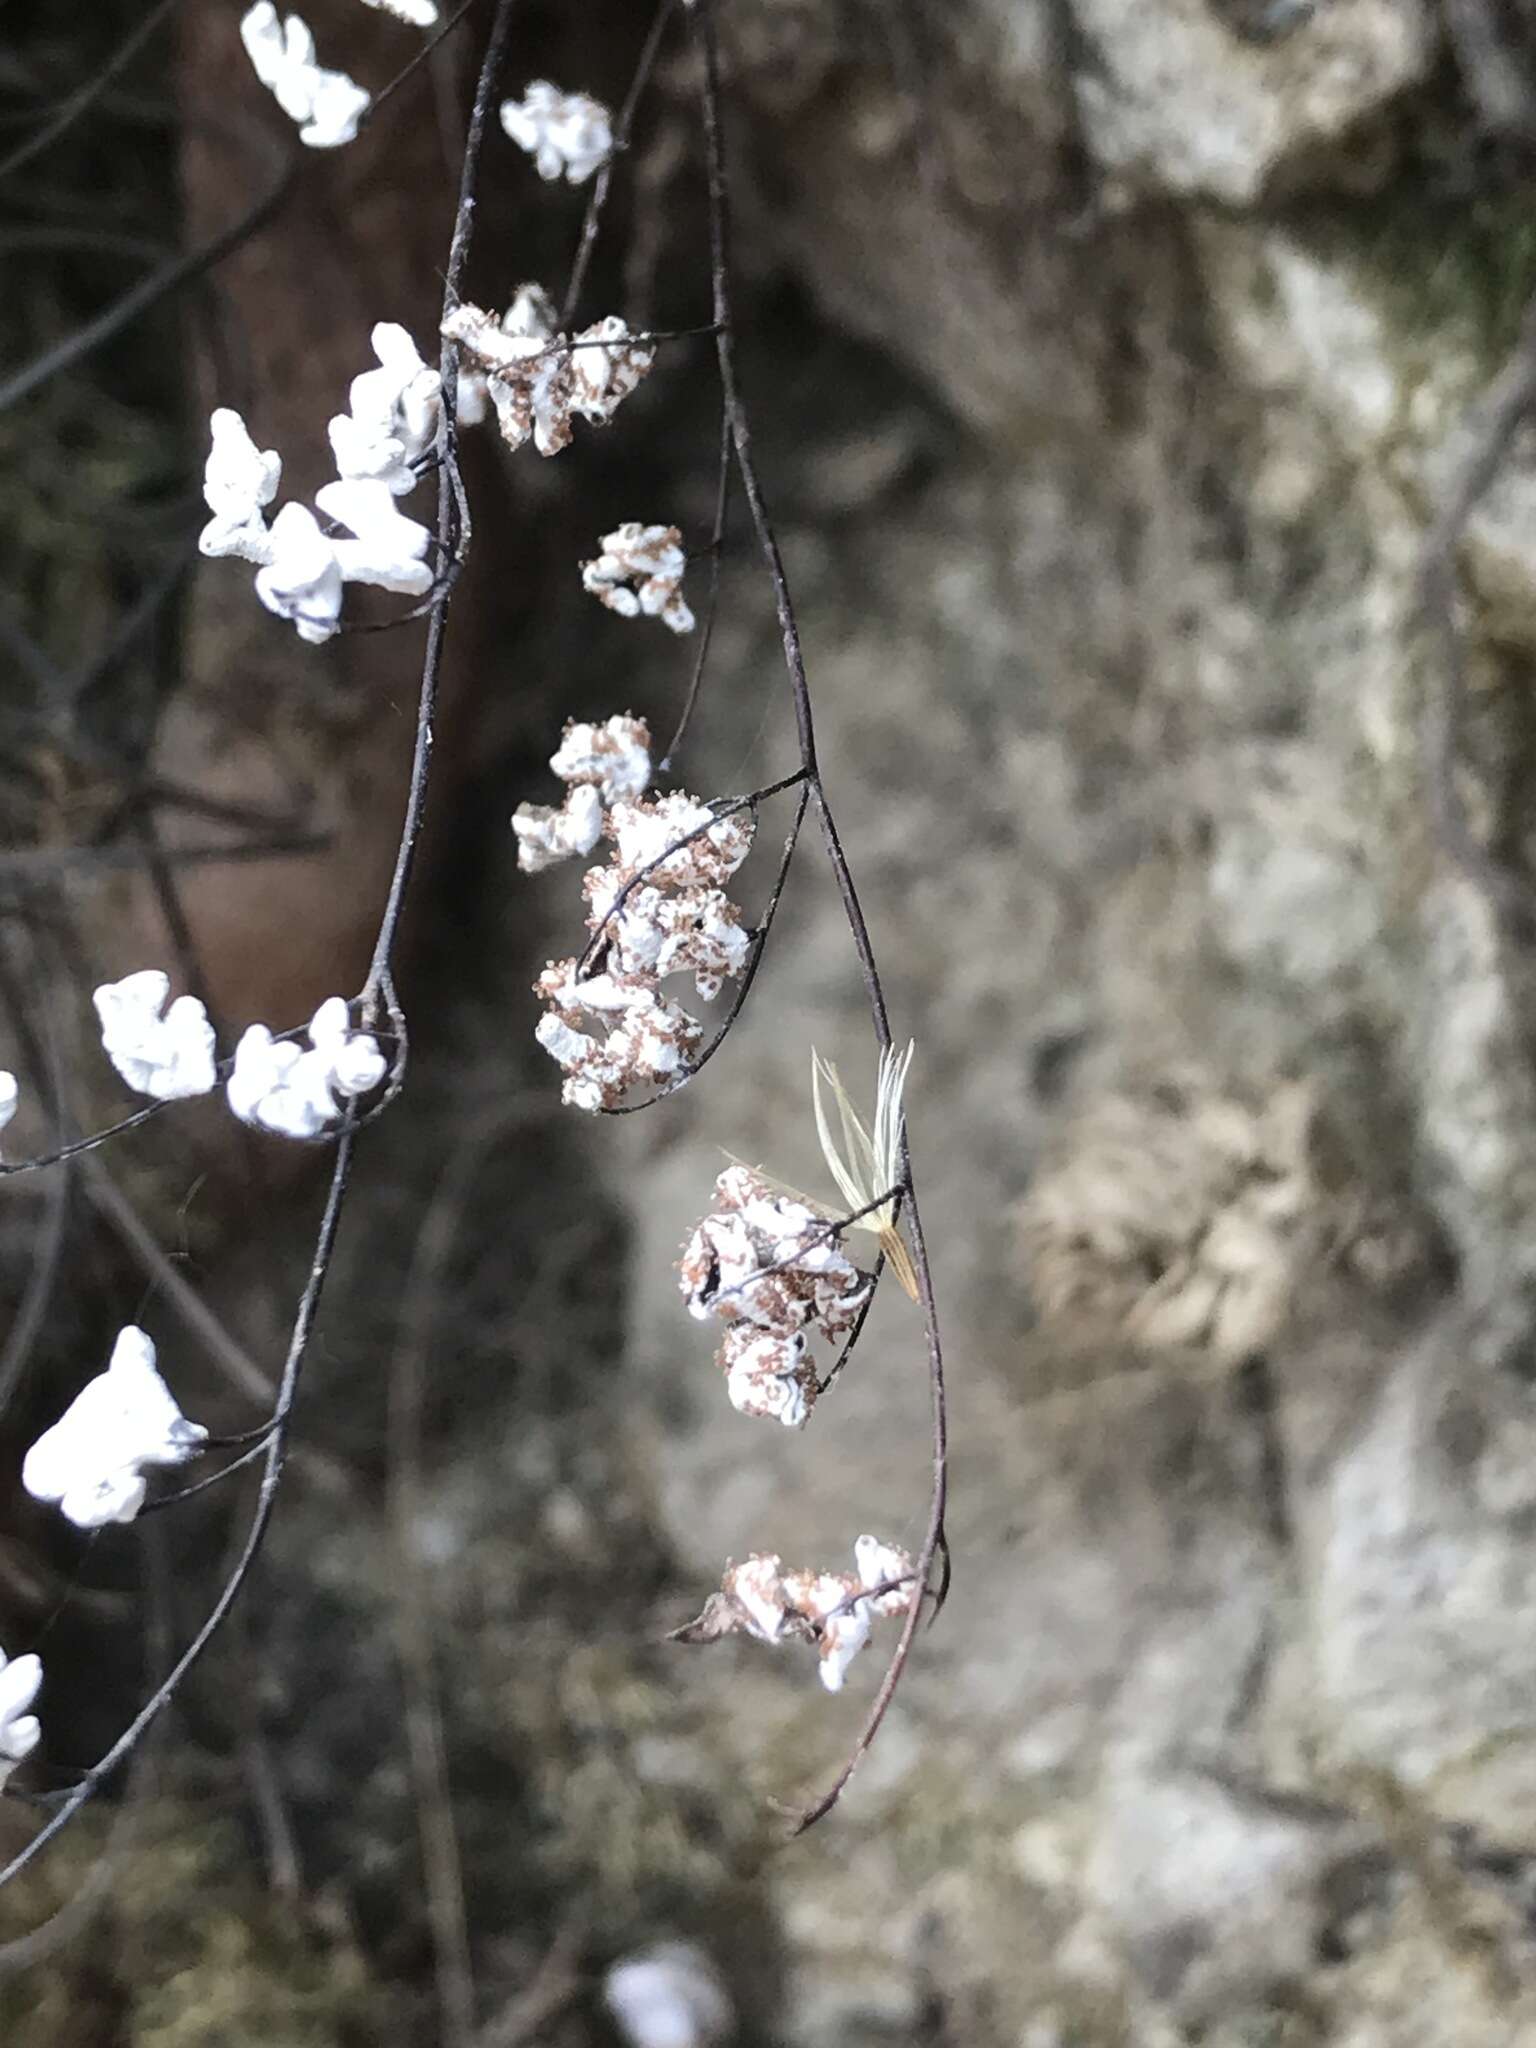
<point>537,379</point>
<point>284,1088</point>
<point>419,13</point>
<point>303,580</point>
<point>167,1056</point>
<point>472,396</point>
<point>564,132</point>
<point>388,548</point>
<point>239,479</point>
<point>92,1462</point>
<point>10,1097</point>
<point>20,1731</point>
<point>615,757</point>
<point>669,1996</point>
<point>640,570</point>
<point>328,104</point>
<point>864,1166</point>
<point>393,417</point>
<point>834,1611</point>
<point>546,836</point>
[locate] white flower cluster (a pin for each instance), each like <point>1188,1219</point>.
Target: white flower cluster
<point>835,1611</point>
<point>92,1462</point>
<point>566,133</point>
<point>20,1679</point>
<point>764,1265</point>
<point>538,379</point>
<point>168,1056</point>
<point>675,918</point>
<point>302,570</point>
<point>640,571</point>
<point>327,104</point>
<point>279,1086</point>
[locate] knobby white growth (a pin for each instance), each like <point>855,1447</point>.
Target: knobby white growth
<point>640,570</point>
<point>864,1166</point>
<point>419,13</point>
<point>239,479</point>
<point>538,379</point>
<point>388,548</point>
<point>286,1089</point>
<point>393,417</point>
<point>166,1056</point>
<point>302,580</point>
<point>614,1030</point>
<point>834,1611</point>
<point>92,1462</point>
<point>669,1996</point>
<point>601,763</point>
<point>562,131</point>
<point>327,104</point>
<point>20,1731</point>
<point>10,1097</point>
<point>768,1267</point>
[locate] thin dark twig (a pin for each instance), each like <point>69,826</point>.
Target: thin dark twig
<point>711,603</point>
<point>725,348</point>
<point>1506,403</point>
<point>422,56</point>
<point>621,133</point>
<point>38,863</point>
<point>84,98</point>
<point>48,1252</point>
<point>171,1500</point>
<point>857,1331</point>
<point>169,277</point>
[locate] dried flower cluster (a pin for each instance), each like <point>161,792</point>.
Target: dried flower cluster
<point>327,104</point>
<point>640,572</point>
<point>657,909</point>
<point>566,133</point>
<point>538,379</point>
<point>834,1611</point>
<point>92,1462</point>
<point>771,1270</point>
<point>302,570</point>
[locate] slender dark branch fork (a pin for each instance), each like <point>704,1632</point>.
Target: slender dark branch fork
<point>453,532</point>
<point>932,1548</point>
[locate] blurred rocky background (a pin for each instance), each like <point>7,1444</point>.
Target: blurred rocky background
<point>1140,389</point>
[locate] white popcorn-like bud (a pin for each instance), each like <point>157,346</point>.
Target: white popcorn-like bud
<point>388,548</point>
<point>20,1731</point>
<point>640,571</point>
<point>546,836</point>
<point>167,1056</point>
<point>606,366</point>
<point>282,53</point>
<point>10,1097</point>
<point>564,133</point>
<point>393,415</point>
<point>757,1586</point>
<point>92,1462</point>
<point>419,13</point>
<point>280,1087</point>
<point>668,1997</point>
<point>615,757</point>
<point>303,580</point>
<point>239,479</point>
